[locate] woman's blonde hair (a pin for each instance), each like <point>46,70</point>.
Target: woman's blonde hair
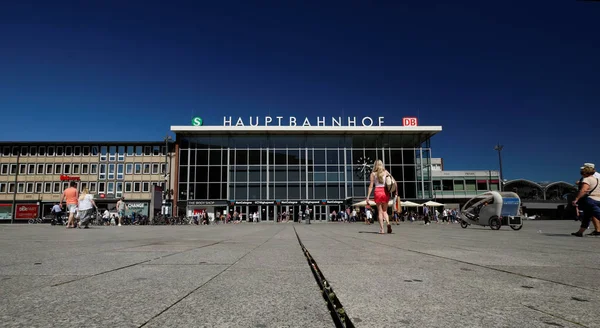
<point>379,170</point>
<point>83,193</point>
<point>587,171</point>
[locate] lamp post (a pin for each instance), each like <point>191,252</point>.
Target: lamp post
<point>499,148</point>
<point>14,200</point>
<point>167,173</point>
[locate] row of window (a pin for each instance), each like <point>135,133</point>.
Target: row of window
<point>111,152</point>
<point>465,185</point>
<point>286,191</point>
<point>104,170</point>
<point>58,187</point>
<point>297,156</point>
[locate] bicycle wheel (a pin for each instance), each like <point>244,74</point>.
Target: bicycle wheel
<point>31,221</point>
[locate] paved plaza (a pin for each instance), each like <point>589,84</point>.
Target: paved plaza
<point>256,275</point>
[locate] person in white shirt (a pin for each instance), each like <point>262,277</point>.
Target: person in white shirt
<point>57,211</point>
<point>86,208</point>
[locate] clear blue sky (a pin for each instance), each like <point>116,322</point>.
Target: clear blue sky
<point>524,73</point>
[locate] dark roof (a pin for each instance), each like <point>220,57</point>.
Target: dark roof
<point>80,143</point>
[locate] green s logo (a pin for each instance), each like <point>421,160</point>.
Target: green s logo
<point>197,121</point>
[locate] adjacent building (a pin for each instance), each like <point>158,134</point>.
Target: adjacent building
<point>33,175</point>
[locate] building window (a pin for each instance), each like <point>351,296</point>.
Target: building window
<point>101,187</point>
<point>84,168</point>
<point>121,154</point>
<point>110,188</point>
<point>111,171</point>
<point>24,150</point>
<point>147,150</point>
<point>59,151</point>
<point>67,169</point>
<point>146,168</point>
<point>86,150</point>
<point>65,186</point>
<point>38,187</point>
<point>42,151</point>
<point>77,151</point>
<point>156,150</point>
<point>40,169</point>
<point>146,187</point>
<point>4,169</point>
<point>137,187</point>
<point>29,189</point>
<point>3,187</point>
<point>103,153</point>
<point>56,187</point>
<point>57,169</point>
<point>138,168</point>
<point>68,151</point>
<point>120,171</point>
<point>482,185</point>
<point>163,169</point>
<point>13,169</point>
<point>130,150</point>
<point>112,153</point>
<point>49,168</point>
<point>93,168</point>
<point>11,187</point>
<point>21,187</point>
<point>94,151</point>
<point>119,189</point>
<point>127,186</point>
<point>22,168</point>
<point>47,187</point>
<point>15,151</point>
<point>155,168</point>
<point>32,151</point>
<point>129,169</point>
<point>31,169</point>
<point>51,151</point>
<point>92,187</point>
<point>6,151</point>
<point>102,174</point>
<point>139,150</point>
<point>75,168</point>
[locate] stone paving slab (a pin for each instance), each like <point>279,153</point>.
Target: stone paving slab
<point>413,278</point>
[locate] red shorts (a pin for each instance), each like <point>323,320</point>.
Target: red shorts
<point>381,195</point>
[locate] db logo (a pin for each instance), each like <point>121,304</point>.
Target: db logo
<point>410,121</point>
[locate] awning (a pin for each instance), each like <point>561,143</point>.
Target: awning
<point>432,203</point>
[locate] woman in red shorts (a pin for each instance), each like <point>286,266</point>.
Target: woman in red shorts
<point>382,197</point>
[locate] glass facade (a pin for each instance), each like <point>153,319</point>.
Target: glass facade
<point>298,167</point>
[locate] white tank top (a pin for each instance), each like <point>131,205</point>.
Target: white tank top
<point>377,183</point>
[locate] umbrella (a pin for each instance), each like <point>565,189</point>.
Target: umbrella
<point>432,203</point>
<point>410,204</point>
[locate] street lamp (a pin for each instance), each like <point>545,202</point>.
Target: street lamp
<point>499,148</point>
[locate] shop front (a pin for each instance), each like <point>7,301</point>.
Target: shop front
<point>267,210</point>
<point>5,212</point>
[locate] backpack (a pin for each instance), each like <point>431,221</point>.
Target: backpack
<point>390,184</point>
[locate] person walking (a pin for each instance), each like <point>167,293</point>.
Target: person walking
<point>71,197</point>
<point>121,207</point>
<point>588,197</point>
<point>86,208</point>
<point>381,196</point>
<point>57,211</point>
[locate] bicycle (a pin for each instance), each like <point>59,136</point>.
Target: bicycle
<point>36,220</point>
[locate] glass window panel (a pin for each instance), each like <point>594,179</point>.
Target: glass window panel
<point>47,187</point>
<point>31,169</point>
<point>92,186</point>
<point>137,187</point>
<point>101,187</point>
<point>68,151</point>
<point>320,176</point>
<point>332,156</point>
<point>214,191</point>
<point>93,168</point>
<point>199,191</point>
<point>86,150</point>
<point>128,187</point>
<point>139,150</point>
<point>280,156</point>
<point>294,156</point>
<point>6,151</point>
<point>294,173</point>
<point>147,150</point>
<point>241,173</point>
<point>333,191</point>
<point>241,157</point>
<point>42,151</point>
<point>94,151</point>
<point>129,168</point>
<point>32,151</point>
<point>57,169</point>
<point>156,150</point>
<point>24,150</point>
<point>67,169</point>
<point>138,168</point>
<point>40,169</point>
<point>146,168</point>
<point>155,168</point>
<point>254,174</point>
<point>56,187</point>
<point>281,174</point>
<point>320,191</point>
<point>410,173</point>
<point>471,185</point>
<point>130,150</point>
<point>459,185</point>
<point>110,187</point>
<point>59,151</point>
<point>76,168</point>
<point>241,192</point>
<point>145,186</point>
<point>77,151</point>
<point>215,157</point>
<point>448,185</point>
<point>254,157</point>
<point>294,191</point>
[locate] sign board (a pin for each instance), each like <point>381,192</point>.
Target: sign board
<point>26,211</point>
<point>294,121</point>
<point>69,178</point>
<point>286,202</point>
<point>410,121</point>
<point>197,121</point>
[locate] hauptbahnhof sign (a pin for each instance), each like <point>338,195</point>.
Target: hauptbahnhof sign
<point>294,121</point>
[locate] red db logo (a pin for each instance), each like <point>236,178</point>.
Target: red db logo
<point>410,121</point>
